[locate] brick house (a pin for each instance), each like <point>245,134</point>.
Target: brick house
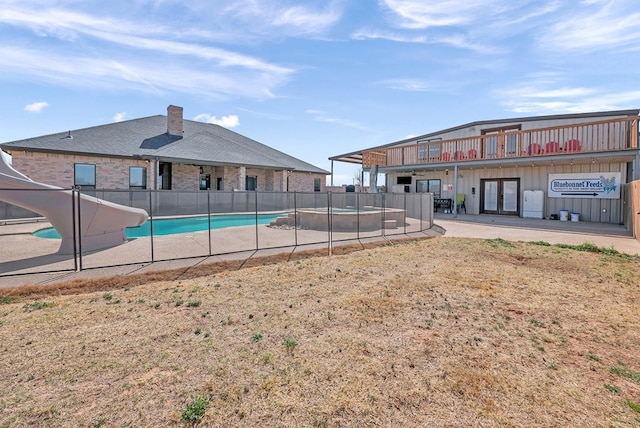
<point>161,153</point>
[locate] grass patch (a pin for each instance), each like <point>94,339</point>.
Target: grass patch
<point>633,406</point>
<point>592,248</point>
<point>499,242</point>
<point>195,410</point>
<point>37,306</point>
<point>622,370</point>
<point>290,344</point>
<point>612,388</point>
<point>540,243</point>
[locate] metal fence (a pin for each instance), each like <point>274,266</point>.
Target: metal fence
<point>209,224</point>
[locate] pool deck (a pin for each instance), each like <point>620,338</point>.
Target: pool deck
<point>30,260</point>
<point>22,255</point>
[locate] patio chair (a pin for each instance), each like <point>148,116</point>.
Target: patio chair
<point>552,147</point>
<point>460,205</point>
<point>572,146</point>
<point>445,157</point>
<point>473,153</point>
<point>534,149</point>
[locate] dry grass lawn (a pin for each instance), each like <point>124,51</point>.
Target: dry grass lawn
<point>439,332</point>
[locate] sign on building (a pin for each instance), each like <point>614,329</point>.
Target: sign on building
<point>596,185</point>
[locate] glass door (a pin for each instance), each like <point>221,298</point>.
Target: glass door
<point>490,196</point>
<point>500,196</point>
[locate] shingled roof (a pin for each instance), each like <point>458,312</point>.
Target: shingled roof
<point>147,138</point>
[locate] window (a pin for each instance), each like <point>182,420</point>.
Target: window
<point>84,176</point>
<point>137,177</point>
<point>403,180</point>
<point>205,181</point>
<point>496,146</point>
<point>429,186</point>
<point>316,185</point>
<point>429,151</point>
<point>219,183</point>
<point>251,182</point>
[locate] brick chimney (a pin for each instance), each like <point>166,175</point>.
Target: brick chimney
<point>174,121</point>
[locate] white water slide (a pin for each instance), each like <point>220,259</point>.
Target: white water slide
<point>102,223</point>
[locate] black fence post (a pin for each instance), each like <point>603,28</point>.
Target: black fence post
<point>73,224</point>
<point>151,223</point>
<point>404,214</point>
<point>295,217</point>
<point>358,216</point>
<point>79,229</point>
<point>256,207</point>
<point>330,221</point>
<point>383,213</point>
<point>209,218</point>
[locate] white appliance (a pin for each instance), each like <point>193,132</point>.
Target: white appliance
<point>533,204</point>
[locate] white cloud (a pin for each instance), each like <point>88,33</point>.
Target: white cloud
<point>598,25</point>
<point>415,14</point>
<point>305,19</point>
<point>119,117</point>
<point>151,74</point>
<point>407,85</point>
<point>364,34</point>
<point>36,107</point>
<point>548,95</point>
<point>322,116</point>
<point>230,121</point>
<point>201,67</point>
<point>292,19</point>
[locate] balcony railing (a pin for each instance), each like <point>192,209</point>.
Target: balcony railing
<point>588,137</point>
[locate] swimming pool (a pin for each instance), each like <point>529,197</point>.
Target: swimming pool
<point>170,226</point>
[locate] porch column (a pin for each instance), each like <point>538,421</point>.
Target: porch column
<point>242,178</point>
<point>373,179</point>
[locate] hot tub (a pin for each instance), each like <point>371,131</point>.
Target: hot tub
<point>351,220</point>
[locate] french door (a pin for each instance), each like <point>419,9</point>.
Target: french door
<point>500,196</point>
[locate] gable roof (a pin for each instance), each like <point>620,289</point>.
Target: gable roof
<point>147,138</point>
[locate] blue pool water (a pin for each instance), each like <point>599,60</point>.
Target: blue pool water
<point>170,226</point>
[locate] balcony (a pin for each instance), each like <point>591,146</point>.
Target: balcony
<point>583,138</point>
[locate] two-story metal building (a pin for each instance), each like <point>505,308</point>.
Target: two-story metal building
<point>581,163</point>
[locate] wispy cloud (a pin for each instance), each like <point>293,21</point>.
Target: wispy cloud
<point>307,20</point>
<point>414,14</point>
<point>546,97</point>
<point>36,107</point>
<point>600,24</point>
<point>199,67</point>
<point>367,34</point>
<point>322,116</point>
<point>119,117</point>
<point>293,19</point>
<point>411,85</point>
<point>230,121</point>
<point>153,75</point>
<point>455,40</point>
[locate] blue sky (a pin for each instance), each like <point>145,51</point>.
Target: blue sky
<point>313,78</point>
